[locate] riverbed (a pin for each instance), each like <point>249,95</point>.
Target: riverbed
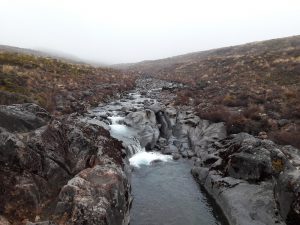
<point>164,191</point>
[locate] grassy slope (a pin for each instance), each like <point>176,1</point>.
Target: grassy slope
<point>54,83</point>
<point>253,87</point>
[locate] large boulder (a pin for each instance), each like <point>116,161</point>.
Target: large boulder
<point>146,124</point>
<point>170,115</point>
<point>242,203</point>
<point>165,125</point>
<point>23,117</point>
<point>156,107</point>
<point>253,166</point>
<point>254,181</point>
<point>206,133</point>
<point>249,158</point>
<point>148,136</point>
<point>140,118</point>
<point>95,196</point>
<point>287,194</point>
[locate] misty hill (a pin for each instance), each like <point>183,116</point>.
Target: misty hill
<point>253,87</point>
<point>194,64</point>
<point>49,53</point>
<point>57,85</point>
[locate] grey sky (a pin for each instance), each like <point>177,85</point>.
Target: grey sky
<point>117,31</point>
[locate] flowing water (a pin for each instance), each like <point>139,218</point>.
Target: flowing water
<point>166,194</point>
<point>138,155</point>
<point>164,190</point>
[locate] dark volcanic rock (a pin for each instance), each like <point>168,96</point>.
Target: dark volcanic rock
<point>287,193</point>
<point>22,117</point>
<point>250,166</point>
<point>175,156</point>
<point>97,195</point>
<point>205,133</point>
<point>251,179</point>
<point>156,107</point>
<point>146,124</point>
<point>49,159</point>
<point>243,203</point>
<point>165,126</point>
<point>170,149</point>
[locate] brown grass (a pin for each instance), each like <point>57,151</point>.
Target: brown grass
<point>46,80</point>
<point>287,137</point>
<point>250,87</point>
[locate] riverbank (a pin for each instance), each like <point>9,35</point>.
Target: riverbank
<point>60,170</point>
<point>69,170</point>
<point>163,190</point>
<point>252,179</point>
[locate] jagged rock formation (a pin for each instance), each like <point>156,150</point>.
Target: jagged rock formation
<point>146,125</point>
<point>254,180</point>
<point>62,171</point>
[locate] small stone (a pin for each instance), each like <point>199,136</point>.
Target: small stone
<point>176,156</point>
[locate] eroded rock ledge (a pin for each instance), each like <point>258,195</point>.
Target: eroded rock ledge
<point>254,181</point>
<point>60,170</point>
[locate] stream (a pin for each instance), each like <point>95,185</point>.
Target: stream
<point>166,194</point>
<point>164,191</point>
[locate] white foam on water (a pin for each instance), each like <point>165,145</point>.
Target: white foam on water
<point>118,129</point>
<point>116,119</point>
<point>128,134</point>
<point>145,158</point>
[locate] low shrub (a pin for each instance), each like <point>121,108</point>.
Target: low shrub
<point>183,97</point>
<point>236,124</point>
<point>287,137</point>
<point>217,114</point>
<point>253,112</point>
<point>238,100</point>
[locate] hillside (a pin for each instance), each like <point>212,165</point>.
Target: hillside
<point>56,84</point>
<point>183,67</point>
<point>253,87</point>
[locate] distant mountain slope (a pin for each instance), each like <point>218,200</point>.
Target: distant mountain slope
<point>191,63</point>
<point>27,51</point>
<point>50,53</point>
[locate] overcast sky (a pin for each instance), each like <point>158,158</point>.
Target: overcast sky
<point>118,31</point>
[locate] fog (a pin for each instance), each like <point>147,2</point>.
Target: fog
<point>123,31</point>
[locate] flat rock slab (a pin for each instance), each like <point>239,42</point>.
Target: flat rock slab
<point>22,117</point>
<point>243,203</point>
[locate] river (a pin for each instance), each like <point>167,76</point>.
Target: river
<point>164,191</point>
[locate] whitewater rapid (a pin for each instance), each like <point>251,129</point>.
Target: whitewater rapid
<point>139,156</point>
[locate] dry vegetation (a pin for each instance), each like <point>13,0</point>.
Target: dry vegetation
<point>253,88</point>
<point>55,84</point>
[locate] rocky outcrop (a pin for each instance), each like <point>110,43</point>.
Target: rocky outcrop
<point>22,117</point>
<point>287,194</point>
<point>253,180</point>
<point>146,125</point>
<point>243,203</point>
<point>187,133</point>
<point>205,133</point>
<point>65,171</point>
<point>97,195</point>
